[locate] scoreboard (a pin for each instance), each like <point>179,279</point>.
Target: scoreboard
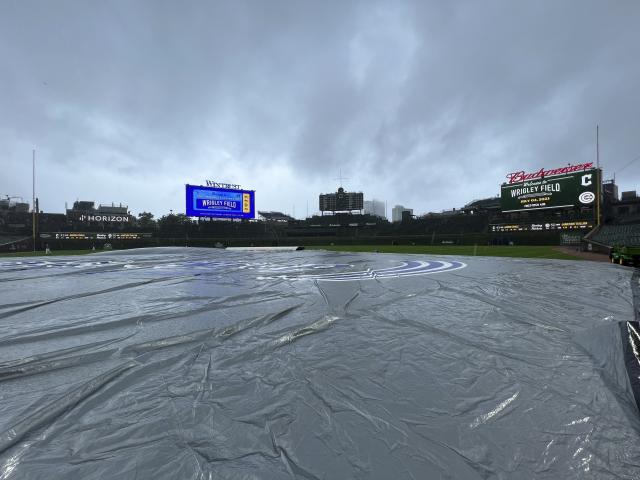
<point>576,189</point>
<point>341,201</point>
<point>219,202</point>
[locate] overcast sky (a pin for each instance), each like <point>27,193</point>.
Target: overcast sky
<point>428,104</point>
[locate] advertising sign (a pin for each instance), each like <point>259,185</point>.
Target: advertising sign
<point>219,202</point>
<point>542,227</point>
<point>96,235</point>
<point>522,176</point>
<point>555,191</point>
<point>104,218</point>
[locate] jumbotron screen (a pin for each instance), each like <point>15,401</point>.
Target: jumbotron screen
<point>219,202</point>
<point>551,191</point>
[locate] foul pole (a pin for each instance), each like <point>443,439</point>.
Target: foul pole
<point>598,175</point>
<point>33,204</point>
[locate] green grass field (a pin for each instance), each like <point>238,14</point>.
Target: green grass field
<point>480,250</point>
<point>54,253</point>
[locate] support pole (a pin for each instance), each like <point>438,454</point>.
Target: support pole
<point>598,176</point>
<point>33,203</point>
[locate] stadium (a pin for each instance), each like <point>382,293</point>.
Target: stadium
<point>161,356</point>
<point>462,304</point>
<point>556,218</point>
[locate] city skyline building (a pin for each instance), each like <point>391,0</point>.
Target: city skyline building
<point>375,207</point>
<point>396,212</point>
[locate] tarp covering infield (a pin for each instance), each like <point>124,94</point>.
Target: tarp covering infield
<point>194,363</point>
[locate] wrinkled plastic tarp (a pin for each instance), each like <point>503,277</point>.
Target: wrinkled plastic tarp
<point>194,363</point>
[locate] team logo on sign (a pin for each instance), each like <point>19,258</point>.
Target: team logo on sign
<point>587,197</point>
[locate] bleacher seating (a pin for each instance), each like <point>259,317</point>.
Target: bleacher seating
<point>610,235</point>
<point>9,239</point>
<point>444,224</point>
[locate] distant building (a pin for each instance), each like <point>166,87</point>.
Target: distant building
<point>341,201</point>
<point>627,209</point>
<point>630,195</point>
<point>8,205</point>
<point>375,207</point>
<point>610,191</point>
<point>397,211</point>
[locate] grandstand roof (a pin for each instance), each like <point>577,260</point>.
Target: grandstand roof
<point>489,203</point>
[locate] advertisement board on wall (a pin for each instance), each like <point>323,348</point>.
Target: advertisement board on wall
<point>219,202</point>
<point>96,235</point>
<point>576,189</point>
<point>542,227</point>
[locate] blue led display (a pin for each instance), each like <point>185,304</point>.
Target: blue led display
<point>220,202</point>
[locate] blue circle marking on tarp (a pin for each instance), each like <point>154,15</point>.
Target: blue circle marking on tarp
<point>405,269</point>
<point>330,272</point>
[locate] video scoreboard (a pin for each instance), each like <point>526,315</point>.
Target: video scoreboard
<point>219,202</point>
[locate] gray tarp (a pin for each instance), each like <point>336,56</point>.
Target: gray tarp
<point>194,363</point>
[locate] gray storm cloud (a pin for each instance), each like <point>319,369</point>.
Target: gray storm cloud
<point>428,104</point>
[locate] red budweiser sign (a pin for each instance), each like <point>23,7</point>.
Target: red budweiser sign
<point>521,176</point>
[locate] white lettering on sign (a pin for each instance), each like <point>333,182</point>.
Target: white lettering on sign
<point>104,218</point>
<point>548,187</point>
<point>219,203</point>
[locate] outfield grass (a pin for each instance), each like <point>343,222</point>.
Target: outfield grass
<point>40,253</point>
<point>479,250</point>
